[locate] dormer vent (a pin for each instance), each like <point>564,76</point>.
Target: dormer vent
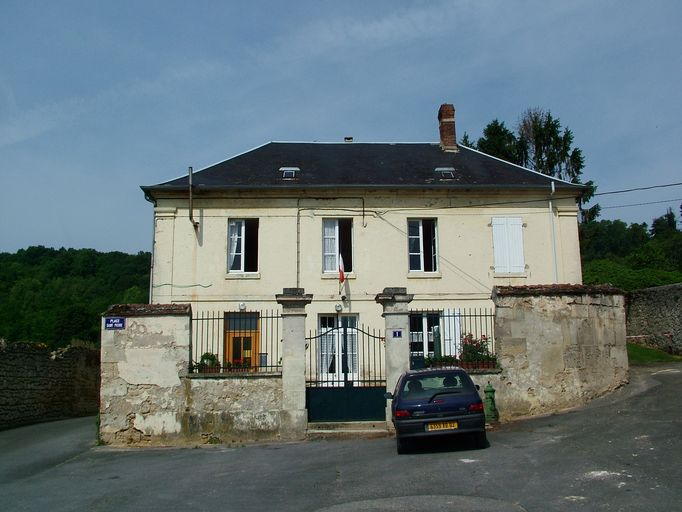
<point>289,173</point>
<point>445,173</point>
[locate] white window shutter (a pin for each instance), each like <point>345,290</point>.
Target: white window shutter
<point>508,245</point>
<point>500,245</point>
<point>515,239</point>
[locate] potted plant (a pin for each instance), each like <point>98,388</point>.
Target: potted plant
<point>475,353</point>
<point>208,363</point>
<point>440,361</point>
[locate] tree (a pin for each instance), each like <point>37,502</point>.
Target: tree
<point>546,148</point>
<point>665,225</point>
<point>466,141</point>
<point>540,144</point>
<point>56,295</point>
<point>500,142</point>
<point>633,256</point>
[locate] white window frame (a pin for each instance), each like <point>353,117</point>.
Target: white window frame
<point>236,246</point>
<point>330,255</point>
<point>424,335</point>
<point>422,241</point>
<point>330,348</point>
<point>508,245</point>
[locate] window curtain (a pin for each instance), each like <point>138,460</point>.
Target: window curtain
<point>234,235</point>
<point>330,246</point>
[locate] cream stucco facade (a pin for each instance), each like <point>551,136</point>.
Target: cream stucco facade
<point>190,265</point>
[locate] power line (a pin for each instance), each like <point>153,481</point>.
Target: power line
<point>641,204</point>
<point>638,188</point>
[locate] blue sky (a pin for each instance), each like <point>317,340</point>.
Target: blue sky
<point>98,98</point>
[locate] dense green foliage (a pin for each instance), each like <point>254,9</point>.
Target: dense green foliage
<point>54,296</point>
<point>637,354</point>
<point>632,257</point>
<point>540,143</point>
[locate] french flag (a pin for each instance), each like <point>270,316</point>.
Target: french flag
<point>342,273</point>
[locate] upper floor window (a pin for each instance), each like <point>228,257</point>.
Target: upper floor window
<point>337,241</point>
<point>508,245</point>
<point>422,247</point>
<point>242,242</point>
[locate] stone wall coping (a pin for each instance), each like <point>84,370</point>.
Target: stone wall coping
<point>234,375</point>
<point>656,289</point>
<point>132,310</point>
<point>393,294</point>
<point>555,289</point>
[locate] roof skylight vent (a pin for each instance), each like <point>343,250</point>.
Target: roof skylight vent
<point>289,173</point>
<point>445,173</point>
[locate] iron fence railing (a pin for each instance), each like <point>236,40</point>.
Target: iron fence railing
<point>243,341</point>
<point>435,333</point>
<point>342,356</point>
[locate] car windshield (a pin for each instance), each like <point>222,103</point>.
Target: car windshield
<point>426,386</point>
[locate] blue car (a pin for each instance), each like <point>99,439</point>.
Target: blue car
<point>436,402</point>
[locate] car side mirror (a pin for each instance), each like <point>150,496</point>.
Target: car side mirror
<point>478,388</point>
<point>388,395</point>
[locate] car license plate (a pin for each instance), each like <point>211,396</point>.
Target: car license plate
<point>444,425</point>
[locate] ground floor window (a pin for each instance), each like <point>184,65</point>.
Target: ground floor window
<point>338,345</point>
<point>424,333</point>
<point>242,340</point>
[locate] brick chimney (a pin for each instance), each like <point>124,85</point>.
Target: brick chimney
<point>446,125</point>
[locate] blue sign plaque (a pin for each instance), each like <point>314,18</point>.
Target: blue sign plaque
<point>398,333</point>
<point>114,322</point>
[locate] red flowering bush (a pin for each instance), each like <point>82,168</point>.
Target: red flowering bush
<point>475,350</point>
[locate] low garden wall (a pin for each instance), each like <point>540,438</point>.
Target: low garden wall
<point>148,397</point>
<point>37,384</point>
<point>558,347</point>
<point>654,317</point>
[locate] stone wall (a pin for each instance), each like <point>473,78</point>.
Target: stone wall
<point>227,409</point>
<point>39,385</point>
<point>148,397</point>
<point>654,317</point>
<point>558,347</point>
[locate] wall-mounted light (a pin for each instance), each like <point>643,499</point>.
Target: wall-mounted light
<point>242,306</point>
<point>338,308</point>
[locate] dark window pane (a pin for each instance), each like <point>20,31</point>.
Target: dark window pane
<point>251,246</point>
<point>346,243</point>
<point>236,348</point>
<point>429,244</point>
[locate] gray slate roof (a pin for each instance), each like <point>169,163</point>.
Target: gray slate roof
<point>351,165</point>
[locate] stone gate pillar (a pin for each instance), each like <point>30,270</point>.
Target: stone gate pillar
<point>397,321</point>
<point>294,413</point>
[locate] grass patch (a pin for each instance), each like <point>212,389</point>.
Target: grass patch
<point>637,354</point>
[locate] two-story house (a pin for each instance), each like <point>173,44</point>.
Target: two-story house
<point>344,220</point>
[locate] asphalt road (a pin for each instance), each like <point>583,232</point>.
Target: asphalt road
<point>622,452</point>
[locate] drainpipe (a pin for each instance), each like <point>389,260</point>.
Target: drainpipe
<point>191,207</point>
<point>298,242</point>
<point>153,251</point>
<point>551,222</point>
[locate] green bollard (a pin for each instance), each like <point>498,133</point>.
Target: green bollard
<point>491,413</point>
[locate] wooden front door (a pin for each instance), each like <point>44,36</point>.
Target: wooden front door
<point>242,340</point>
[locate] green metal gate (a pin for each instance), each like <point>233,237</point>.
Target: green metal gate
<point>345,373</point>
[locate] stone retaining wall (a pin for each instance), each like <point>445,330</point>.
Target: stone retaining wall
<point>654,317</point>
<point>558,347</point>
<point>39,385</point>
